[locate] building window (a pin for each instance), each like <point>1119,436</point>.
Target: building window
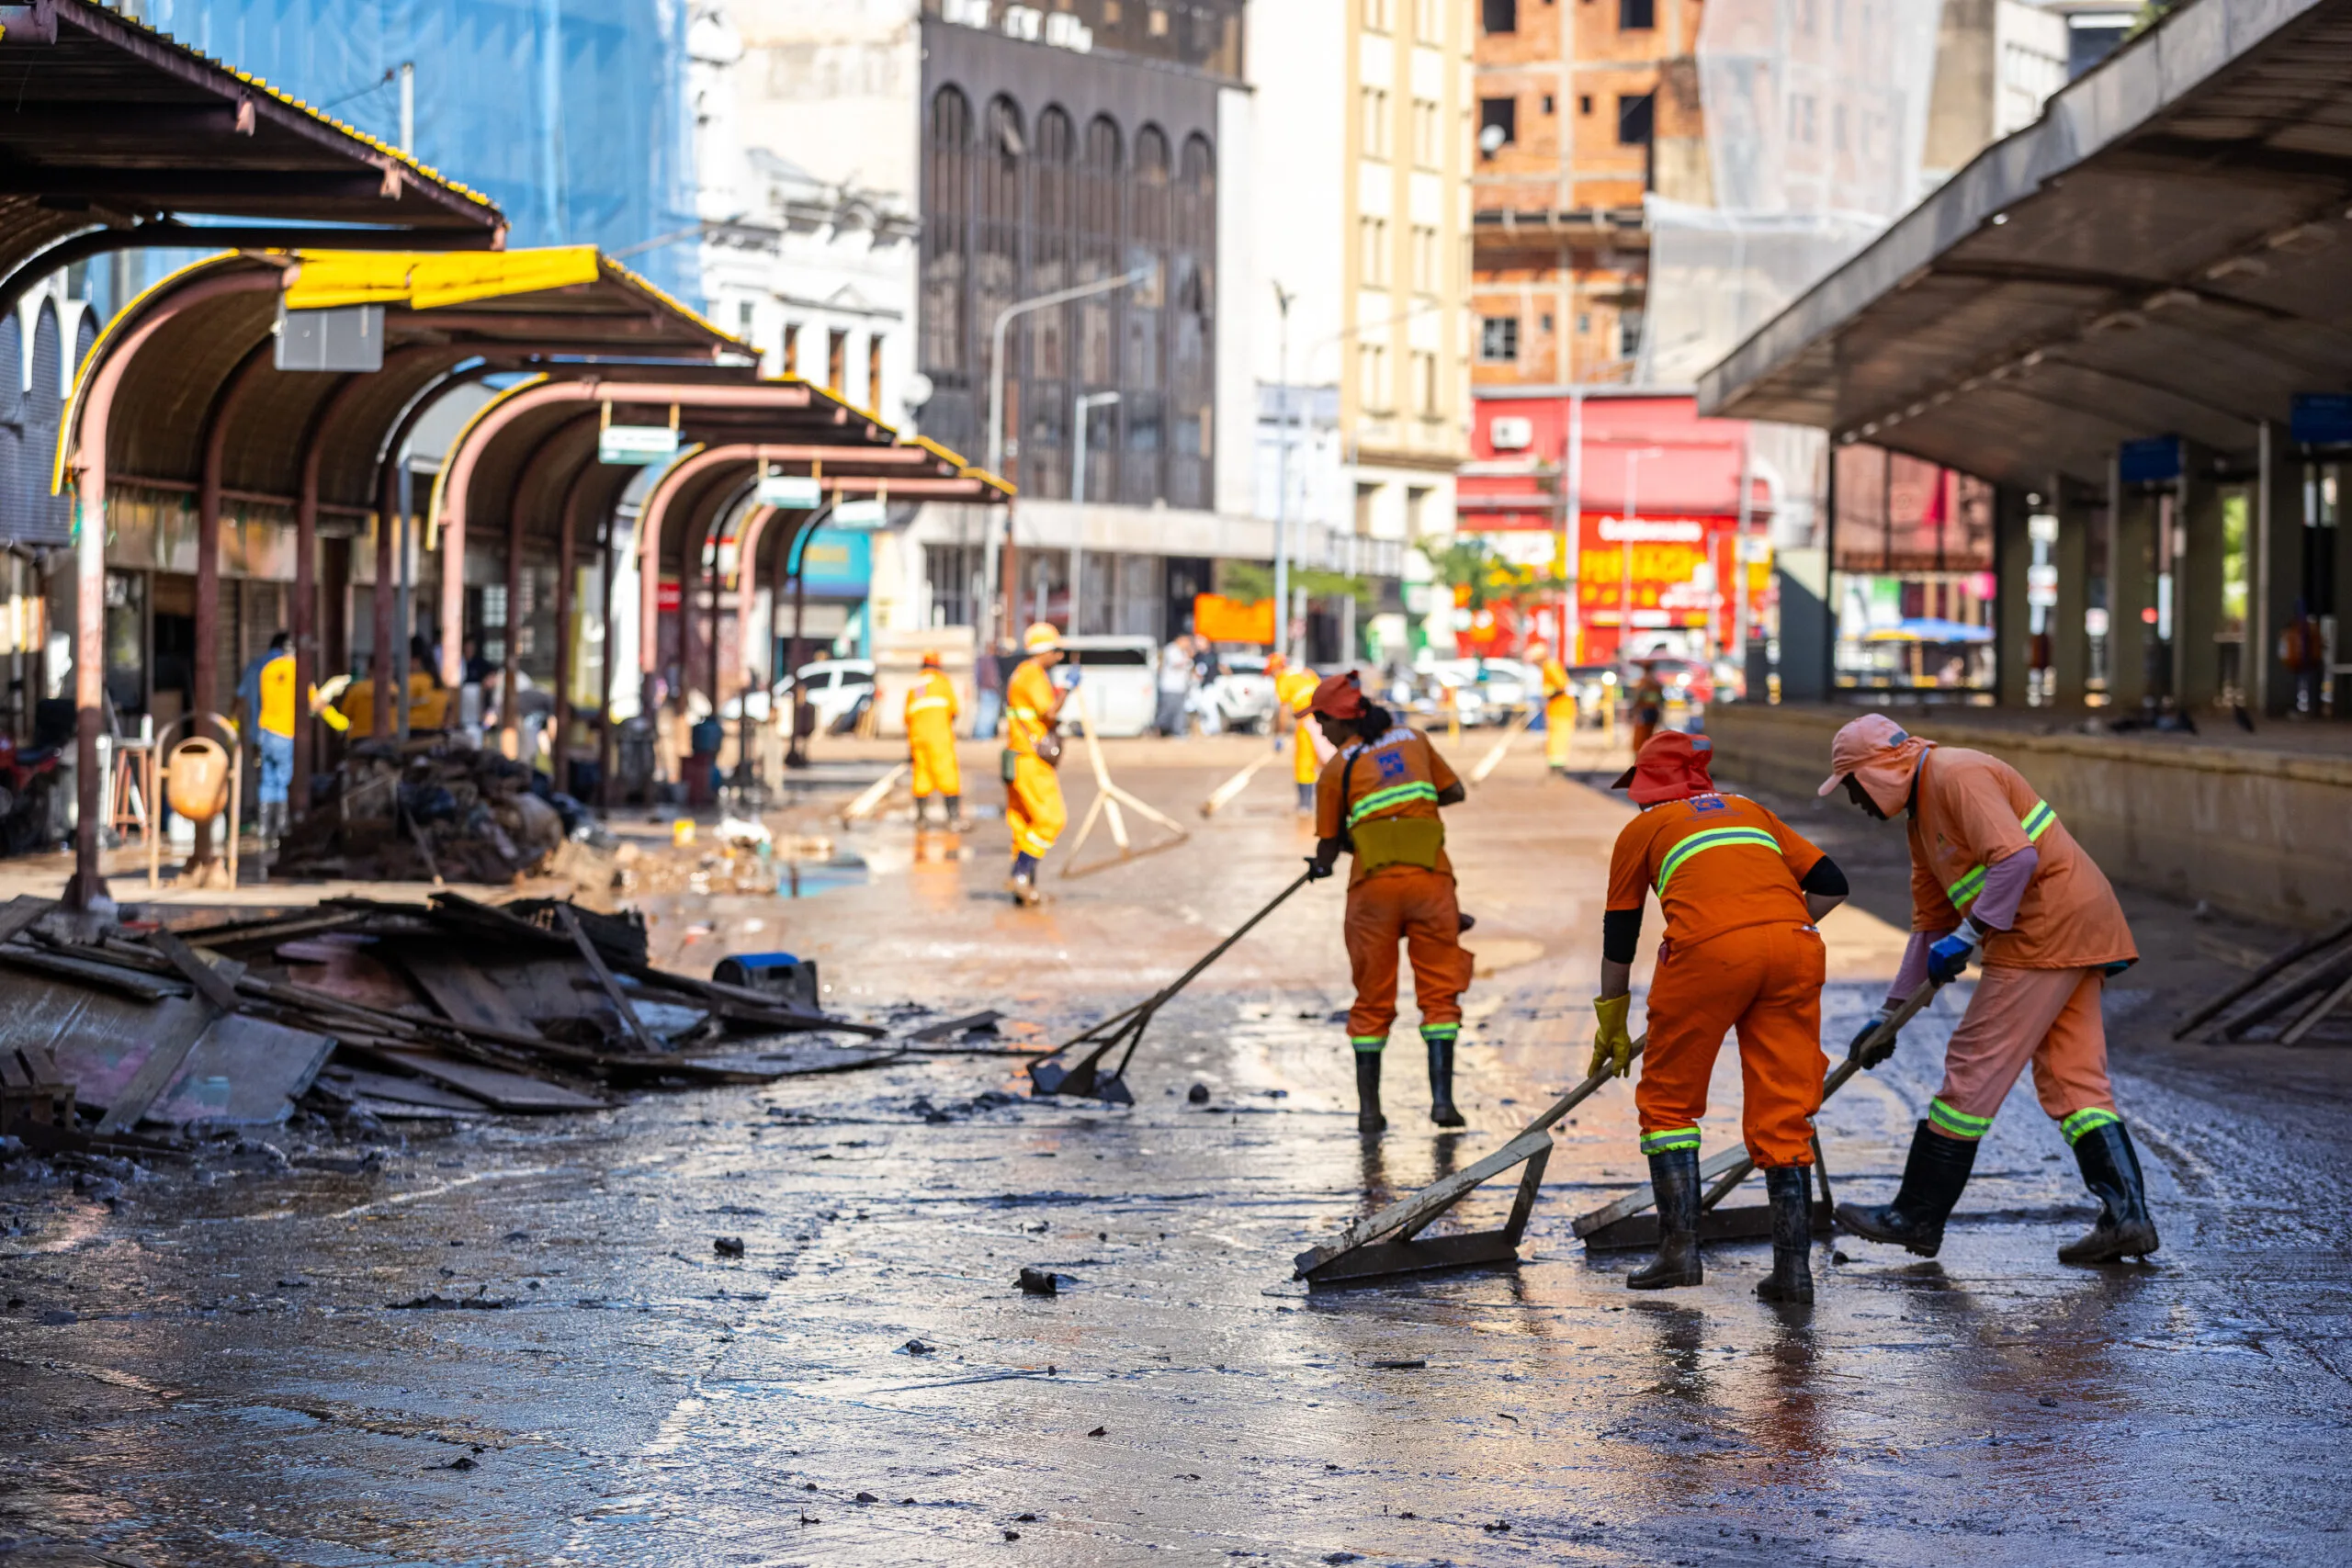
<point>1499,339</point>
<point>1424,259</point>
<point>1629,334</point>
<point>837,362</point>
<point>787,349</point>
<point>1376,13</point>
<point>1584,103</point>
<point>1497,124</point>
<point>874,372</point>
<point>1429,20</point>
<point>1372,376</point>
<point>1375,122</point>
<point>743,320</point>
<point>1547,103</point>
<point>1499,16</point>
<point>1427,150</point>
<point>1372,259</point>
<point>1425,384</point>
<point>1367,498</point>
<point>1636,15</point>
<point>1635,117</point>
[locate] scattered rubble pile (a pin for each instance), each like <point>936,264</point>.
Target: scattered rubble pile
<point>447,1008</point>
<point>453,812</point>
<point>2302,993</point>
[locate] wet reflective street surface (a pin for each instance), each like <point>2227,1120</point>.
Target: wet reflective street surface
<point>520,1342</point>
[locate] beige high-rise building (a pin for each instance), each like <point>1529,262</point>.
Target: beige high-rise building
<point>1361,151</point>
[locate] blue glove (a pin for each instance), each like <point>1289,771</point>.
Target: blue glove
<point>1075,675</point>
<point>1950,956</point>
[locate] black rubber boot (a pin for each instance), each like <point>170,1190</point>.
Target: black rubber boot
<point>953,807</point>
<point>1442,1111</point>
<point>2111,1170</point>
<point>1932,1180</point>
<point>1792,1276</point>
<point>1674,1179</point>
<point>1368,1117</point>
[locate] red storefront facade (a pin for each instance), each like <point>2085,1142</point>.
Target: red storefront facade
<point>1657,491</point>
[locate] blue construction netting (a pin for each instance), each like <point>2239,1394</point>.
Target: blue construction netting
<point>571,115</point>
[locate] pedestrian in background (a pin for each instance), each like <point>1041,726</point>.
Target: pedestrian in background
<point>1175,687</point>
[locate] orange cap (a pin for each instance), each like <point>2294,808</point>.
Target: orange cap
<point>1041,636</point>
<point>1673,766</point>
<point>931,659</point>
<point>1880,752</point>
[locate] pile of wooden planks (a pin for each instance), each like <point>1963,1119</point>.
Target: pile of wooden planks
<point>2304,993</point>
<point>450,1007</point>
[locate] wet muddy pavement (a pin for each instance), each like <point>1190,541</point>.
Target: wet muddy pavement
<point>519,1342</point>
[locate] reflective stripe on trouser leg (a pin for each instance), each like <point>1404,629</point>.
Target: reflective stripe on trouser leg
<point>1416,908</point>
<point>1672,1138</point>
<point>2087,1120</point>
<point>1033,807</point>
<point>1364,1043</point>
<point>1959,1123</point>
<point>1441,1033</point>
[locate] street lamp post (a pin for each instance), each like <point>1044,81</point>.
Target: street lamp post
<point>1282,299</point>
<point>1085,405</point>
<point>1625,549</point>
<point>988,628</point>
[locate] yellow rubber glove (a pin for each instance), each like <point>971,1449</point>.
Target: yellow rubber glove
<point>1612,1048</point>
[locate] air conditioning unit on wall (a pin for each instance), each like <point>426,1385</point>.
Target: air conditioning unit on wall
<point>1511,433</point>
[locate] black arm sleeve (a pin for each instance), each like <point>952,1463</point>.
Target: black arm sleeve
<point>1453,795</point>
<point>1824,879</point>
<point>1327,852</point>
<point>1621,934</point>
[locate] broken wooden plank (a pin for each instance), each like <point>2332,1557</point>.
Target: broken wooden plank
<point>630,1022</point>
<point>493,1087</point>
<point>219,988</point>
<point>120,979</point>
<point>2246,986</point>
<point>20,912</point>
<point>153,1075</point>
<point>965,1025</point>
<point>462,992</point>
<point>242,1071</point>
<point>359,1083</point>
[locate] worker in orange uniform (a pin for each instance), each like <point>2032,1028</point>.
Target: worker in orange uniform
<point>1295,690</point>
<point>1378,798</point>
<point>1033,796</point>
<point>1559,712</point>
<point>1648,705</point>
<point>932,710</point>
<point>1995,877</point>
<point>1742,892</point>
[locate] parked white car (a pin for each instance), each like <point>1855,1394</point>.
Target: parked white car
<point>835,685</point>
<point>1243,695</point>
<point>1120,687</point>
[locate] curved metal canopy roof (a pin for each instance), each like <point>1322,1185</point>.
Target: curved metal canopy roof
<point>112,123</point>
<point>2166,251</point>
<point>566,311</point>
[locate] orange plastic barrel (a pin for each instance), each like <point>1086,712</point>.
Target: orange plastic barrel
<point>199,773</point>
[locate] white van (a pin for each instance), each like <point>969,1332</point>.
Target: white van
<point>1121,688</point>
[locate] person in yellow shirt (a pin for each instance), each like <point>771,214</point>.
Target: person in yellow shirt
<point>1033,796</point>
<point>1559,710</point>
<point>1295,690</point>
<point>428,700</point>
<point>931,744</point>
<point>265,693</point>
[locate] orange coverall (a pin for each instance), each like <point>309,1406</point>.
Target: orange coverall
<point>1033,801</point>
<point>2038,995</point>
<point>1740,952</point>
<point>1395,779</point>
<point>930,736</point>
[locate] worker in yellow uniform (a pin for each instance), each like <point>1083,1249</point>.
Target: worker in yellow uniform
<point>428,700</point>
<point>1559,710</point>
<point>931,744</point>
<point>1033,796</point>
<point>266,693</point>
<point>1295,690</point>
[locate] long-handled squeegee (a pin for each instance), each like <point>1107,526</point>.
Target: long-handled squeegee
<point>1082,1076</point>
<point>1389,1242</point>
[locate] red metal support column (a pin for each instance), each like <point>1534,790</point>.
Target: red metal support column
<point>206,696</point>
<point>305,589</point>
<point>87,444</point>
<point>566,552</point>
<point>511,683</point>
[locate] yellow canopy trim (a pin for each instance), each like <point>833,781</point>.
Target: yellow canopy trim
<point>424,279</point>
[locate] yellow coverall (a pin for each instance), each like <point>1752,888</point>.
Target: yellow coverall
<point>1032,799</point>
<point>930,736</point>
<point>1295,688</point>
<point>1559,715</point>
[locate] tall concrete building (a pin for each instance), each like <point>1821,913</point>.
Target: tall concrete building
<point>1360,238</point>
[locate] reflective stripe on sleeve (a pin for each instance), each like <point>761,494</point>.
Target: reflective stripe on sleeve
<point>1970,883</point>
